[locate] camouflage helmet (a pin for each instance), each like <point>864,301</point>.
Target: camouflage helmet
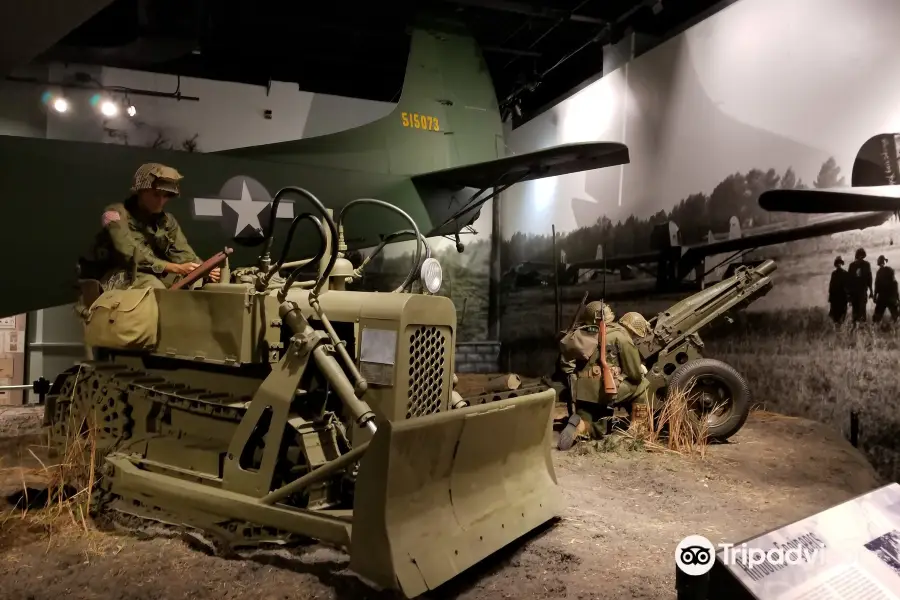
<point>635,323</point>
<point>154,176</point>
<point>591,310</point>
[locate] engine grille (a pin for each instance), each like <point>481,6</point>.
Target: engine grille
<point>427,366</point>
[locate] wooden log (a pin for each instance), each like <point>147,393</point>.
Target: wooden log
<point>503,383</point>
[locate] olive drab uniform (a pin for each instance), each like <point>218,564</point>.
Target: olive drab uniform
<point>585,375</point>
<point>133,246</point>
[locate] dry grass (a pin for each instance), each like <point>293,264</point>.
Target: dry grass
<point>60,509</point>
<point>798,363</point>
<point>676,429</point>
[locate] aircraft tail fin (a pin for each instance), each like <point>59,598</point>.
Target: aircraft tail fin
<point>873,184</point>
<point>734,228</point>
<point>877,162</point>
<point>447,115</point>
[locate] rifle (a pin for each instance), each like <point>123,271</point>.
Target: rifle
<point>609,384</point>
<point>207,266</point>
<point>578,312</point>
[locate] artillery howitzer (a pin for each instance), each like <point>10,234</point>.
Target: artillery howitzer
<point>264,407</point>
<point>672,351</point>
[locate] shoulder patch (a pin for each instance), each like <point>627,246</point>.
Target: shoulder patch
<point>110,216</point>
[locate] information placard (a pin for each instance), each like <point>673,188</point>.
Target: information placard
<point>848,552</point>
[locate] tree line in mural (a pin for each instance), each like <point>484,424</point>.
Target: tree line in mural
<point>467,274</point>
<point>736,195</point>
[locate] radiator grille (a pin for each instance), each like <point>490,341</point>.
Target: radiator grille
<point>427,365</point>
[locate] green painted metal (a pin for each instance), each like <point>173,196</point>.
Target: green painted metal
<point>264,410</point>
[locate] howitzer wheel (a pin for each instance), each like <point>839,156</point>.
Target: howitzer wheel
<point>719,394</point>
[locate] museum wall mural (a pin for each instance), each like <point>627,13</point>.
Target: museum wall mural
<point>758,96</point>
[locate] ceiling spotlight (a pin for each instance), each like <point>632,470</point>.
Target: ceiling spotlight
<point>131,110</point>
<point>109,109</point>
<point>60,105</point>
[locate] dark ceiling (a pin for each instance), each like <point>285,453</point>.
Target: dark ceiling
<point>359,49</point>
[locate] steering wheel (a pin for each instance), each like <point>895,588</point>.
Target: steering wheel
<point>201,271</point>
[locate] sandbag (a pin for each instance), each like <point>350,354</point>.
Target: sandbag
<point>579,344</point>
<point>123,320</point>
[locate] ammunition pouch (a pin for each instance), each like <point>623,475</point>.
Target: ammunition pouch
<point>579,344</point>
<point>123,320</point>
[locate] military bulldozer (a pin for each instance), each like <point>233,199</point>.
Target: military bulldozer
<point>672,351</point>
<point>265,408</point>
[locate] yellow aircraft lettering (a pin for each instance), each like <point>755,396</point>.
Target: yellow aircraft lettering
<point>419,121</point>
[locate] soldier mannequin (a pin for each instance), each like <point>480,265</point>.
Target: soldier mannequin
<point>139,231</point>
<point>585,383</point>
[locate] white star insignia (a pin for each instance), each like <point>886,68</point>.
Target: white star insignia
<point>246,207</point>
<point>247,210</point>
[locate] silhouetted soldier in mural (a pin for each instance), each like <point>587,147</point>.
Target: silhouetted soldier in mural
<point>860,287</point>
<point>838,297</point>
<point>886,296</point>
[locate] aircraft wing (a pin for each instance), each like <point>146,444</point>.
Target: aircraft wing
<point>832,200</point>
<point>616,262</point>
<point>780,236</point>
<point>696,252</point>
<point>548,162</point>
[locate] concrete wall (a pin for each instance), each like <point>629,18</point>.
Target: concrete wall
<point>477,357</point>
<point>231,115</point>
<point>21,113</point>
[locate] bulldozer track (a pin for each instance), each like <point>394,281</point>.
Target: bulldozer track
<point>104,395</point>
<point>105,387</point>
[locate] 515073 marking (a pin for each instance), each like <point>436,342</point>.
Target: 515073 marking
<point>420,121</point>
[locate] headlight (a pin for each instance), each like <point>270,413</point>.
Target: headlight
<point>431,275</point>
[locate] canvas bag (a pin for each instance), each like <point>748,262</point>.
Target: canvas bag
<point>579,344</point>
<point>123,320</point>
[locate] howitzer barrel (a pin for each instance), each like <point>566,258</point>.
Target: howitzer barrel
<point>744,281</point>
<point>766,268</point>
<point>695,312</point>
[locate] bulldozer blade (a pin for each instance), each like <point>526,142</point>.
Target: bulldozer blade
<point>437,494</point>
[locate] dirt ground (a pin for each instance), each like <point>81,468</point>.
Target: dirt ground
<point>626,511</point>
